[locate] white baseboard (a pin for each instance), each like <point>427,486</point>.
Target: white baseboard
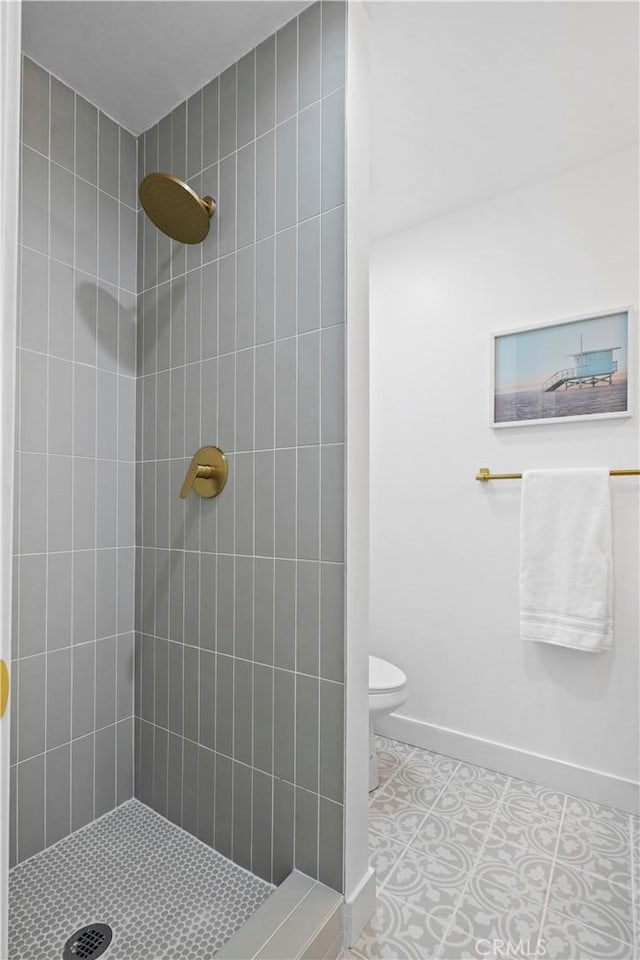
<point>359,908</point>
<point>554,774</point>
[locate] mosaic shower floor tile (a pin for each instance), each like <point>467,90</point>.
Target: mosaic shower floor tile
<point>474,864</point>
<point>164,893</point>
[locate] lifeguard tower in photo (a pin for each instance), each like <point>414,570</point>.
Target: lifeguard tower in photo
<point>590,366</point>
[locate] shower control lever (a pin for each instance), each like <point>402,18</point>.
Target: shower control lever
<point>207,473</point>
<point>195,470</point>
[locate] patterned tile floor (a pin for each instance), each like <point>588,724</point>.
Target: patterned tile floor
<point>471,863</point>
<point>165,894</point>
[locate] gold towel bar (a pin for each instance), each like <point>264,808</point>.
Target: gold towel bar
<point>484,474</point>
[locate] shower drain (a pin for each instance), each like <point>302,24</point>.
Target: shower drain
<point>88,942</point>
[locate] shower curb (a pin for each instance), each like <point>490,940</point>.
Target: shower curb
<point>301,920</point>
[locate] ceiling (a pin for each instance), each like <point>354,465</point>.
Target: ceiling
<point>471,100</point>
<point>138,60</point>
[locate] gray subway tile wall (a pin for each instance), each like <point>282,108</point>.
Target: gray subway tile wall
<point>132,352</point>
<point>73,644</point>
<point>240,342</point>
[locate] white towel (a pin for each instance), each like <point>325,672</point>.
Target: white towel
<point>566,569</point>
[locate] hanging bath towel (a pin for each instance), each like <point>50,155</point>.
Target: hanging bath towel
<point>566,568</point>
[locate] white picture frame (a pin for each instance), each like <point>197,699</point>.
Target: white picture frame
<point>562,371</point>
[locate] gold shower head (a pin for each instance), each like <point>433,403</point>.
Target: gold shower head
<point>175,208</point>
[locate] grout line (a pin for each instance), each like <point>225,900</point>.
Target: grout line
<point>95,477</point>
<point>170,549</point>
<point>72,471</point>
<point>241,763</point>
<point>14,715</point>
<point>157,740</point>
<point>72,740</point>
<point>273,459</point>
<point>82,363</point>
<point>71,456</point>
<point>151,327</point>
<point>216,565</point>
<point>129,546</point>
<point>46,485</point>
<point>543,915</point>
<point>274,450</point>
<point>235,434</point>
<point>230,656</point>
<point>319,422</point>
<point>72,266</point>
<point>296,411</point>
<point>254,324</point>
<point>449,925</point>
<point>182,643</point>
<point>231,253</point>
<point>72,170</point>
<point>118,557</point>
<point>200,313</point>
<point>234,254</point>
<point>427,813</point>
<point>81,643</point>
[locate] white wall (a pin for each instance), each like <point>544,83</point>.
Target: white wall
<point>445,548</point>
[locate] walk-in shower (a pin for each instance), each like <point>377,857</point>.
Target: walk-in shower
<point>178,659</point>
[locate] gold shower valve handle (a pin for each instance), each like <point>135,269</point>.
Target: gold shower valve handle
<point>195,470</point>
<point>4,687</point>
<point>207,474</point>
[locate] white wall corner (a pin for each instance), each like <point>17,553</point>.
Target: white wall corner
<point>359,908</point>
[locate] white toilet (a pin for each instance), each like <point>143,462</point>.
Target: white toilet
<point>387,692</point>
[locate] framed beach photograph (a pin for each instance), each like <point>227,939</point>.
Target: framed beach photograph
<point>575,369</point>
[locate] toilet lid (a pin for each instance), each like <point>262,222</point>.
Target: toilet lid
<point>384,675</point>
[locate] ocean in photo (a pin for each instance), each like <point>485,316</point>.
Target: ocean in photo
<point>574,402</point>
